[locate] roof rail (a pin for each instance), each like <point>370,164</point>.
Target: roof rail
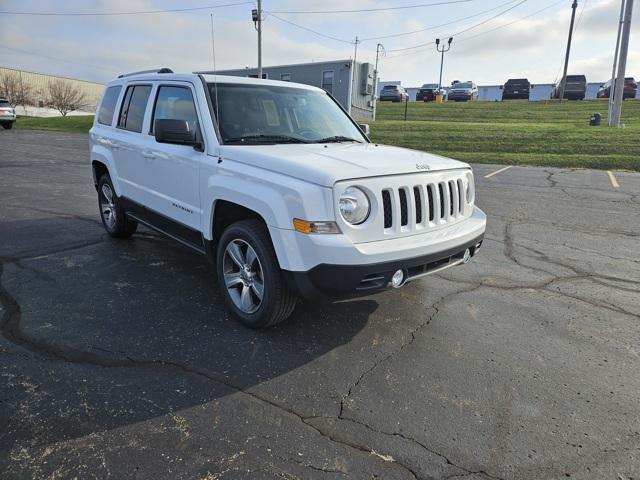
<point>155,70</point>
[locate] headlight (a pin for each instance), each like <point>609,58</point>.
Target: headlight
<point>470,192</point>
<point>354,206</point>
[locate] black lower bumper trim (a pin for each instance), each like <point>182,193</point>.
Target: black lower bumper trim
<point>328,280</point>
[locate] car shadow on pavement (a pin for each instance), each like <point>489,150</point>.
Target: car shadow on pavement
<point>107,333</point>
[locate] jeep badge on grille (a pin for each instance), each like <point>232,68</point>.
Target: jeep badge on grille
<point>422,166</point>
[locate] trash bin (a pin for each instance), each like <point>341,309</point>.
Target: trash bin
<point>595,120</point>
<point>439,98</point>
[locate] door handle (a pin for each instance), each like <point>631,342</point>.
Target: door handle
<point>148,154</point>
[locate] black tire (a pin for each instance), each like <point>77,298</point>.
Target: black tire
<point>119,225</point>
<point>278,302</point>
<point>7,126</point>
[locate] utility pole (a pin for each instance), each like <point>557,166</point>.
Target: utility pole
<point>355,53</point>
<point>563,83</point>
<point>615,61</point>
<point>375,79</point>
<point>256,15</point>
<point>445,48</point>
<point>616,111</point>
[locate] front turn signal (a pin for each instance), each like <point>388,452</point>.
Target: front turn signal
<point>308,228</point>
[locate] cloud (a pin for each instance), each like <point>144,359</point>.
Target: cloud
<point>98,48</point>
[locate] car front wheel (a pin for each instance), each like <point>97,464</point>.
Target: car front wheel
<point>250,277</point>
<point>114,220</point>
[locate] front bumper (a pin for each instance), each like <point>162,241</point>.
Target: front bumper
<point>328,264</point>
<point>7,118</point>
<point>460,96</point>
<point>328,280</point>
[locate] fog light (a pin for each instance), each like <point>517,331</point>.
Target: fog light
<point>398,279</point>
<point>467,256</point>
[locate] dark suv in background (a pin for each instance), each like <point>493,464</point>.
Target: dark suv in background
<point>516,89</point>
<point>575,89</point>
<point>630,89</point>
<point>393,93</point>
<point>428,92</point>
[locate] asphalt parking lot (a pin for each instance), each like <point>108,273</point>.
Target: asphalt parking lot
<point>117,359</point>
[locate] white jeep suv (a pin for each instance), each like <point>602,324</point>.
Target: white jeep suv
<point>278,187</point>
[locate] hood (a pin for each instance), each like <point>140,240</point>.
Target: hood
<point>326,165</point>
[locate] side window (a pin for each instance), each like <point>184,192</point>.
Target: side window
<point>108,105</point>
<point>133,107</point>
<point>327,81</point>
<point>175,103</point>
<point>285,77</point>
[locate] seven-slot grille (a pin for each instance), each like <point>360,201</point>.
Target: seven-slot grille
<point>431,204</point>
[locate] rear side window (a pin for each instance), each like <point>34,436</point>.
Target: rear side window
<point>175,103</point>
<point>108,105</point>
<point>133,107</point>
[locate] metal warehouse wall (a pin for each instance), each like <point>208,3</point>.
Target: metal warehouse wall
<point>39,83</point>
<point>311,74</point>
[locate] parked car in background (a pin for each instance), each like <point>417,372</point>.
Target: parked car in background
<point>575,89</point>
<point>630,89</point>
<point>393,93</point>
<point>428,92</point>
<point>7,114</point>
<point>516,89</point>
<point>463,91</point>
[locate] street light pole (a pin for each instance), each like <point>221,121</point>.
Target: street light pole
<point>445,48</point>
<point>256,15</point>
<point>616,111</point>
<point>375,79</point>
<point>615,61</point>
<point>563,83</point>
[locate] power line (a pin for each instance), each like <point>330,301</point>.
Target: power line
<point>462,31</point>
<point>514,21</point>
<point>490,30</point>
<point>381,9</point>
<point>393,35</point>
<point>110,14</point>
<point>271,14</point>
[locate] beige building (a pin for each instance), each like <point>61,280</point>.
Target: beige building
<point>39,82</point>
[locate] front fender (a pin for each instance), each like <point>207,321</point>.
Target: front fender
<point>277,198</point>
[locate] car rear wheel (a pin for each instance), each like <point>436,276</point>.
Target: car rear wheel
<point>114,220</point>
<point>250,277</point>
<point>7,125</point>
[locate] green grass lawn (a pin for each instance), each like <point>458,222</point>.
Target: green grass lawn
<point>518,133</point>
<point>522,133</point>
<point>58,124</point>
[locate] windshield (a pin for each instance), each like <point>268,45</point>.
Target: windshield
<point>463,85</point>
<point>4,103</point>
<point>266,114</point>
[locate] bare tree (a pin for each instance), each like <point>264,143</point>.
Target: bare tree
<point>14,90</point>
<point>65,97</point>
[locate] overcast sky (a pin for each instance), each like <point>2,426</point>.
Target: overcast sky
<point>99,48</point>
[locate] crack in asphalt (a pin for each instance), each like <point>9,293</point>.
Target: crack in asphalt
<point>10,329</point>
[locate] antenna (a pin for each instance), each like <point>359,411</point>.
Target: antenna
<point>215,72</point>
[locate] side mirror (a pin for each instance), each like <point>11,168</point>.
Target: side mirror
<point>179,132</point>
<point>533,86</point>
<point>365,128</point>
<point>501,87</point>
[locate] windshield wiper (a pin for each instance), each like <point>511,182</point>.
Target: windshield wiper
<point>337,139</point>
<point>264,138</point>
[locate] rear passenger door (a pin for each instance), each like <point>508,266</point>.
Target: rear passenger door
<point>171,179</point>
<point>128,138</point>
